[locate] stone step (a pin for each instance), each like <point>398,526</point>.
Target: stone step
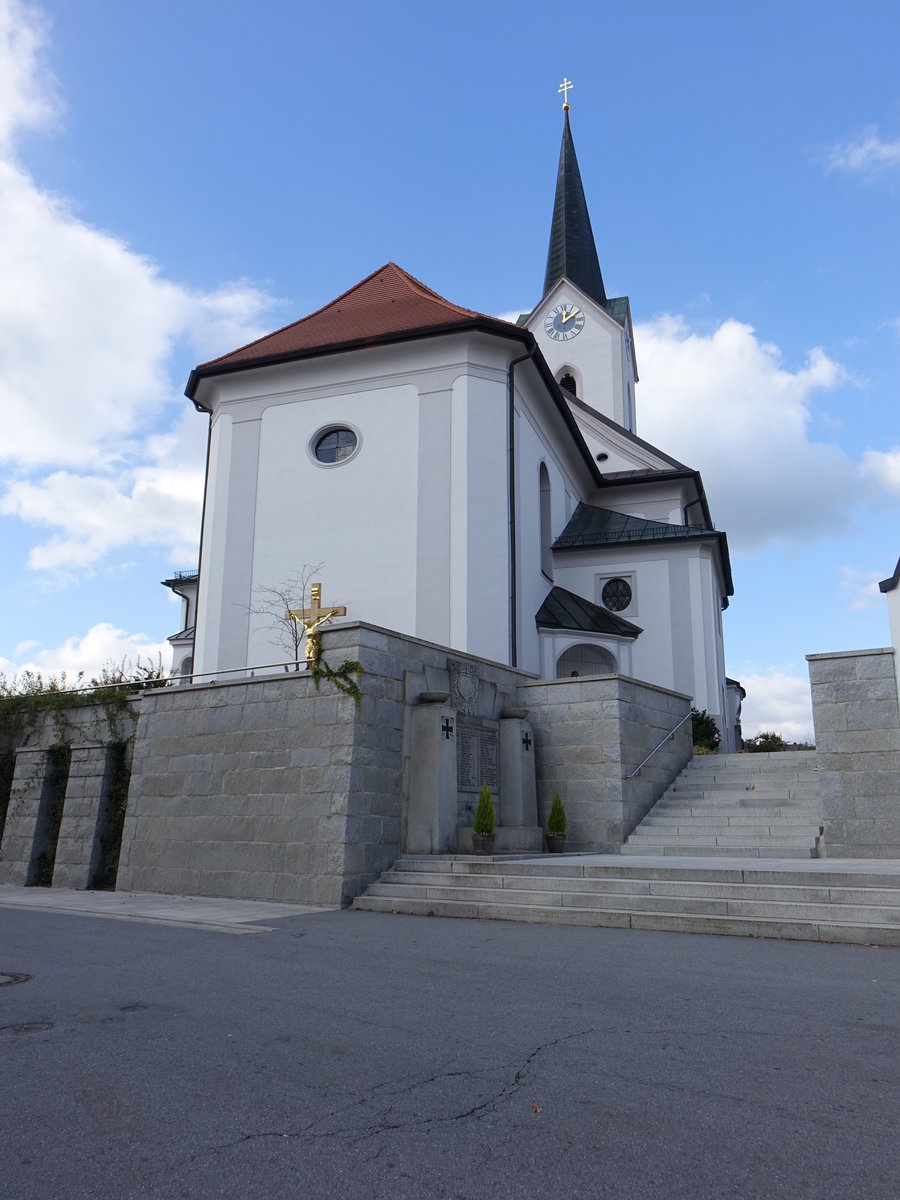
<point>749,778</point>
<point>712,851</point>
<point>575,866</point>
<point>711,904</point>
<point>796,761</point>
<point>729,764</point>
<point>683,885</point>
<point>867,933</point>
<point>734,803</point>
<point>757,834</point>
<point>737,800</point>
<point>737,818</point>
<point>723,792</point>
<point>733,837</point>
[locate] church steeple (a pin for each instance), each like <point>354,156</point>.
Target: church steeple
<point>572,251</point>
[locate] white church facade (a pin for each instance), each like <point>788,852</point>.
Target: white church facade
<point>465,480</point>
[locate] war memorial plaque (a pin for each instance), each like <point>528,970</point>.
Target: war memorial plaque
<point>477,755</point>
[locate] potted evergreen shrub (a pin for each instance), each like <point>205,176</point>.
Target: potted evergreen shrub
<point>483,828</point>
<point>556,826</point>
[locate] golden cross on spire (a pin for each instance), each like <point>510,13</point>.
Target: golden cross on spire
<point>565,87</point>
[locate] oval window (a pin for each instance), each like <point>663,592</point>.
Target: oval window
<point>616,594</point>
<point>335,445</point>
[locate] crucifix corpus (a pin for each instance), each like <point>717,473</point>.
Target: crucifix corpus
<point>312,619</point>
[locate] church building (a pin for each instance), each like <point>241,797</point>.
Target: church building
<point>473,482</point>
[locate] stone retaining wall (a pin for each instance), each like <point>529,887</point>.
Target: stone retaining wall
<point>589,735</point>
<point>266,788</point>
<point>857,726</point>
<point>88,732</point>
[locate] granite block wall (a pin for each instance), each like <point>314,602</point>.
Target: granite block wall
<point>589,735</point>
<point>87,732</point>
<point>268,788</point>
<point>857,727</point>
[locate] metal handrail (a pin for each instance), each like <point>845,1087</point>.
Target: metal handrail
<point>670,734</point>
<point>168,681</point>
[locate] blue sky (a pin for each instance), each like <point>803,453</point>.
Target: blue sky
<point>175,179</point>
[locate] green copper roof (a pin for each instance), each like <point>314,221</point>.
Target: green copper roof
<point>564,610</point>
<point>572,251</point>
<point>593,526</point>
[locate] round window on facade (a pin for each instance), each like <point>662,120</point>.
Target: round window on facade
<point>616,594</point>
<point>335,445</point>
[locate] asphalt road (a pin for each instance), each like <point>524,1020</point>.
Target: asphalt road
<point>363,1055</point>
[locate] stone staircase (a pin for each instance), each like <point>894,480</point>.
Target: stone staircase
<point>829,901</point>
<point>736,805</point>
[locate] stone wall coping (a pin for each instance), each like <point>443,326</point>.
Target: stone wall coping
<point>652,687</point>
<point>449,651</point>
<point>849,653</point>
<point>274,672</point>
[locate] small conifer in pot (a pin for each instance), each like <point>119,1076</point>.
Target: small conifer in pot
<point>483,827</point>
<point>556,826</point>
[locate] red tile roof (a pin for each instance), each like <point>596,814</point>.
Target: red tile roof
<point>387,303</point>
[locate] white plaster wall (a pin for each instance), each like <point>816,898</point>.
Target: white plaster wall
<point>534,446</point>
<point>479,515</point>
<point>357,518</point>
<point>648,571</point>
<point>623,453</point>
<point>412,530</point>
<point>660,502</point>
<point>555,642</point>
<point>212,553</point>
<point>893,606</point>
<point>597,352</point>
<point>676,604</point>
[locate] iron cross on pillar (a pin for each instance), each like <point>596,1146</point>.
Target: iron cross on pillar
<point>312,619</point>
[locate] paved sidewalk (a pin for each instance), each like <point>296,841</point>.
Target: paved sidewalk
<point>199,912</point>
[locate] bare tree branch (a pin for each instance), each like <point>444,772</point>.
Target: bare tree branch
<point>272,604</point>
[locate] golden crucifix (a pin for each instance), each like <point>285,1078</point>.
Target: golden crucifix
<point>565,87</point>
<point>312,619</point>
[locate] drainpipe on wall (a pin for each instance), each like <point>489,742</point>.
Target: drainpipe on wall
<point>511,474</point>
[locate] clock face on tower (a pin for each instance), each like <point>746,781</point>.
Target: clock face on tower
<point>564,322</point>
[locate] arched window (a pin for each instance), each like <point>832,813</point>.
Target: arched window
<point>568,382</point>
<point>546,533</point>
<point>586,659</point>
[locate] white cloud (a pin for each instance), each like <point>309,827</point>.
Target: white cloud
<point>101,643</point>
<point>94,515</point>
<point>779,701</point>
<point>28,97</point>
<point>88,330</point>
<point>860,588</point>
<point>864,154</point>
<point>884,468</point>
<point>725,404</point>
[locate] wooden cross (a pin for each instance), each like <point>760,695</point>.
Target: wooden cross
<point>313,618</point>
<point>565,87</point>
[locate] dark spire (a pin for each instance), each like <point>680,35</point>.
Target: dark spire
<point>572,251</point>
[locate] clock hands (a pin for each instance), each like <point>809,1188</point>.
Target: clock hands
<point>572,312</point>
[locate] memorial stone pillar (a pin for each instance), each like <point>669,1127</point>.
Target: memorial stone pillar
<point>517,774</point>
<point>431,821</point>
